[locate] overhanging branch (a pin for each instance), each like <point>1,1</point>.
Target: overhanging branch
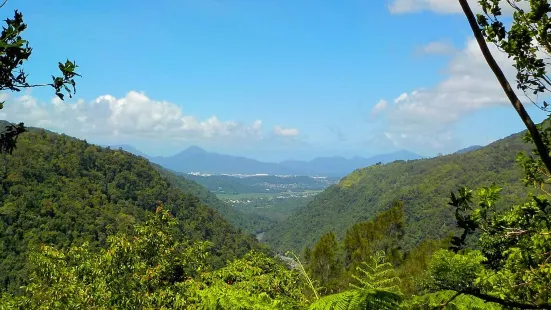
<point>506,303</point>
<point>517,104</point>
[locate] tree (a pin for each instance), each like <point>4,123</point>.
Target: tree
<point>151,269</point>
<point>527,41</point>
<point>512,263</point>
<point>325,264</point>
<point>14,51</point>
<point>385,233</point>
<point>147,270</point>
<point>255,281</point>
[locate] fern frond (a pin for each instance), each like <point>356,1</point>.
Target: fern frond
<point>377,274</point>
<point>340,301</point>
<point>359,300</point>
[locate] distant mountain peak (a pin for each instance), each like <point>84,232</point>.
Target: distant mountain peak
<point>197,159</point>
<point>195,148</point>
<point>193,151</point>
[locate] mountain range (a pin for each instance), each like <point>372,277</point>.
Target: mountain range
<point>196,159</point>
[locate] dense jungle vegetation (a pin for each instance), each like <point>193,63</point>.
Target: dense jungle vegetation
<point>423,185</point>
<point>62,191</point>
<point>84,227</point>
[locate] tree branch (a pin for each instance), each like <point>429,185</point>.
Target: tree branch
<point>540,146</point>
<point>506,303</point>
<point>513,232</point>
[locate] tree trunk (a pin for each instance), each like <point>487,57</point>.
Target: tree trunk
<point>540,146</point>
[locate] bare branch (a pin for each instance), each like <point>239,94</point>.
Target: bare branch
<point>515,102</point>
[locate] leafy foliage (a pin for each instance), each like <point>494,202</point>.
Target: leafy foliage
<point>377,274</point>
<point>357,299</point>
<point>384,233</point>
<point>77,227</point>
<point>132,273</point>
<point>334,266</point>
<point>422,185</point>
<point>62,191</point>
<point>449,300</point>
<point>527,40</point>
<point>253,282</point>
<point>413,269</point>
<point>512,266</point>
<point>150,269</point>
<point>14,51</point>
<point>325,263</point>
<point>376,289</point>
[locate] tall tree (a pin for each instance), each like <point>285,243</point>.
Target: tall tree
<point>325,263</point>
<point>511,265</point>
<point>384,233</point>
<point>14,51</point>
<point>527,42</point>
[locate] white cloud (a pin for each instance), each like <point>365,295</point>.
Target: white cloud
<point>444,47</point>
<point>133,116</point>
<point>285,132</point>
<point>437,6</point>
<point>401,98</point>
<point>410,6</point>
<point>425,117</point>
<point>379,107</point>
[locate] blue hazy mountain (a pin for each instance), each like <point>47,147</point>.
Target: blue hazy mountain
<point>340,166</point>
<point>196,159</point>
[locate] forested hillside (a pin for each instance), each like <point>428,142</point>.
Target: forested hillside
<point>250,223</point>
<point>63,191</point>
<point>423,185</point>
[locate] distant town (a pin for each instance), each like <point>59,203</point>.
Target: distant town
<point>238,175</point>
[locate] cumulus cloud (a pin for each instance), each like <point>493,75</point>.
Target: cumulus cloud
<point>134,115</point>
<point>443,47</point>
<point>424,118</point>
<point>437,6</point>
<point>285,132</point>
<point>379,107</point>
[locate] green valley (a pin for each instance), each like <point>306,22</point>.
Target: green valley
<point>423,185</point>
<point>228,185</point>
<point>313,194</point>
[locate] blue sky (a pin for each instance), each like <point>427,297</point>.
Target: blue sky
<point>268,79</point>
